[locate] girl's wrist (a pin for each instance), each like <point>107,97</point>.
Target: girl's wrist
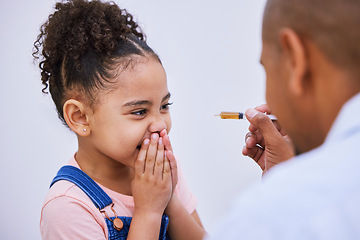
<point>145,225</point>
<point>150,216</point>
<point>173,205</point>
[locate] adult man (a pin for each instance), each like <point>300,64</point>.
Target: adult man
<point>311,54</point>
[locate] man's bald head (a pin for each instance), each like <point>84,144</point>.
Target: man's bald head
<point>333,25</point>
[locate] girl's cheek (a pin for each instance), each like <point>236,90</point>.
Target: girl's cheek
<point>168,123</point>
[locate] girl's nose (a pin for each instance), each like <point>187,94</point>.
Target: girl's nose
<point>157,124</point>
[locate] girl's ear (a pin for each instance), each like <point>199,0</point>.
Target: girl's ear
<point>76,118</point>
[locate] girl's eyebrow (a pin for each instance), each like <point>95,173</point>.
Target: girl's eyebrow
<point>144,102</point>
<point>137,103</point>
<point>167,97</point>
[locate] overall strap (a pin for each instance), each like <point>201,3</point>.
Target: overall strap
<point>101,200</point>
<point>85,183</point>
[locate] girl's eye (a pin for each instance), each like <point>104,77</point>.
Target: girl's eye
<point>166,106</point>
<point>141,112</point>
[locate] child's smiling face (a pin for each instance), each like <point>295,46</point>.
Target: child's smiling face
<point>125,116</point>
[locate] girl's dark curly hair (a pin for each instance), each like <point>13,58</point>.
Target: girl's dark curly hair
<point>81,44</point>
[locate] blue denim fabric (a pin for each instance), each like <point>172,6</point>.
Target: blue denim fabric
<point>85,183</point>
<point>123,233</point>
<point>101,200</point>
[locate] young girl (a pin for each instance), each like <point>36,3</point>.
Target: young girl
<point>110,89</point>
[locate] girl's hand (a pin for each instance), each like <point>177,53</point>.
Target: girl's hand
<point>179,215</point>
<point>152,184</point>
<point>170,156</point>
<point>266,142</point>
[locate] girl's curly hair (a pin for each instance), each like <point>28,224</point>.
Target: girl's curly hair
<point>79,44</point>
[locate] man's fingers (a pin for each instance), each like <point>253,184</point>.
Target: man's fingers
<point>254,138</point>
<point>263,108</point>
<point>255,153</point>
<point>262,123</point>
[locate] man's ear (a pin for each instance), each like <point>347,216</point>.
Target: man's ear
<point>76,118</point>
<point>296,59</point>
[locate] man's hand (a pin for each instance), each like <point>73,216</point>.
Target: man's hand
<point>266,142</point>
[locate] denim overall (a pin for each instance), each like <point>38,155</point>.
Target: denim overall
<point>101,200</point>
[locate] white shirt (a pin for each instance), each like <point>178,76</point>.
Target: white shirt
<point>315,195</point>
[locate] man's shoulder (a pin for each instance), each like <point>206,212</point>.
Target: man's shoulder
<point>301,196</point>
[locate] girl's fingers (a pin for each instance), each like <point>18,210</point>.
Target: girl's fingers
<point>166,173</point>
<point>173,167</point>
<point>167,143</point>
<point>140,161</point>
<point>166,139</point>
<point>151,154</point>
<point>159,162</point>
<point>163,133</point>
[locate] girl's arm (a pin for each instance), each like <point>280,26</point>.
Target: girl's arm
<point>182,224</point>
<point>151,189</point>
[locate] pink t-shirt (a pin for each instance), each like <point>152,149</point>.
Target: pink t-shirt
<point>68,213</point>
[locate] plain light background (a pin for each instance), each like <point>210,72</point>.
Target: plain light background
<point>210,51</point>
